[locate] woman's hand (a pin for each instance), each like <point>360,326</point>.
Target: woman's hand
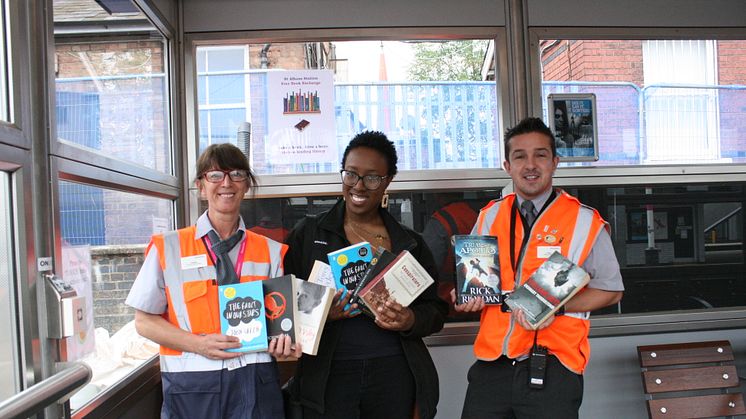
<point>337,310</point>
<point>214,346</point>
<point>282,348</point>
<point>393,316</point>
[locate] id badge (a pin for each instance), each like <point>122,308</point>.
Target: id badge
<point>543,252</point>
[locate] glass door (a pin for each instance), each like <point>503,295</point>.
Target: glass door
<point>9,359</point>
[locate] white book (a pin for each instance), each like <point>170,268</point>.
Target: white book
<point>312,306</point>
<point>321,274</point>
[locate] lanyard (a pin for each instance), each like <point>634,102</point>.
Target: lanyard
<point>241,252</point>
<point>526,231</point>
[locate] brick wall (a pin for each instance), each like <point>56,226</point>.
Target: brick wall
<point>566,60</point>
<point>114,270</point>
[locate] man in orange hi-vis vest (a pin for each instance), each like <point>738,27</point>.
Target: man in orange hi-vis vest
<point>519,372</point>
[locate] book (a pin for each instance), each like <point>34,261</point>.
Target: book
<point>402,280</point>
<point>477,269</point>
<point>349,264</point>
<point>242,315</point>
<point>321,273</point>
<point>279,306</point>
<point>556,281</point>
<point>382,258</point>
<point>313,303</point>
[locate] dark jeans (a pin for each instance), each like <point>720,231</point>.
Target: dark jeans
<point>499,389</point>
<point>379,388</point>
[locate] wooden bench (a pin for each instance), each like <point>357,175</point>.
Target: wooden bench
<point>690,380</point>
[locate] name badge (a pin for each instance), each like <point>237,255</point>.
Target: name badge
<point>193,262</point>
<point>543,252</point>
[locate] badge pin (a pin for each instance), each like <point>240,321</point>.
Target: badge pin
<point>546,228</point>
<point>554,231</point>
<point>538,237</point>
<point>550,239</point>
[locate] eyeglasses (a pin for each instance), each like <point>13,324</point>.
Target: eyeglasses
<point>371,182</point>
<point>217,176</point>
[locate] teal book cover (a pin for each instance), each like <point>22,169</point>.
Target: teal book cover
<point>242,315</point>
<point>349,264</point>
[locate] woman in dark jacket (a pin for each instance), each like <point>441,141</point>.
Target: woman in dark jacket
<point>367,368</point>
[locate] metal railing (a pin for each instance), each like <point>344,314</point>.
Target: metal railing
<point>40,395</point>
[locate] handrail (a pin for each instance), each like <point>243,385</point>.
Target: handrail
<point>48,391</point>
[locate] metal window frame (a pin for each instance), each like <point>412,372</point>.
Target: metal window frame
<point>328,183</point>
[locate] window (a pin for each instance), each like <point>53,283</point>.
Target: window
<point>4,93</point>
<point>111,90</point>
<point>9,379</point>
<point>102,251</point>
<point>662,101</point>
<point>437,109</point>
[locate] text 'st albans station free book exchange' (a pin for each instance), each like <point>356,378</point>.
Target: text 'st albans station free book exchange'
<point>556,281</point>
<point>242,315</point>
<point>477,269</point>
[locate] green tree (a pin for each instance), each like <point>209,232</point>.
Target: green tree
<point>449,60</point>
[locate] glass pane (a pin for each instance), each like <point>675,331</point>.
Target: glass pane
<point>275,217</point>
<point>111,92</point>
<point>658,102</point>
<point>225,89</point>
<point>202,90</point>
<point>225,59</point>
<point>9,366</point>
<point>223,124</point>
<point>104,234</point>
<point>4,95</point>
<point>439,111</point>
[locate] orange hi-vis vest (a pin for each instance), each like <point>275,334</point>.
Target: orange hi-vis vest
<point>192,294</point>
<point>564,223</point>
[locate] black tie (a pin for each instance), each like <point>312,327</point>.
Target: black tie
<point>221,248</point>
<point>527,207</point>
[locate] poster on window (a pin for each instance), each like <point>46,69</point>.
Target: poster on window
<point>300,117</point>
<point>76,271</point>
<point>572,119</point>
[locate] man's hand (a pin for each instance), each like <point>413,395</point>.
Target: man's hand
<point>214,346</point>
<point>337,311</point>
<point>520,318</point>
<point>473,305</point>
<point>393,316</point>
<point>282,348</point>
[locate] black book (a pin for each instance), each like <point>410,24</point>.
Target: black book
<point>381,259</point>
<point>280,304</point>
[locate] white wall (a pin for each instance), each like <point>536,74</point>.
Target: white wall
<point>613,383</point>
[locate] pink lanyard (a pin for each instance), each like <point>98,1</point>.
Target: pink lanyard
<point>241,252</point>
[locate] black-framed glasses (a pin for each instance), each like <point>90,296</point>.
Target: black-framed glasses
<point>371,182</point>
<point>217,176</point>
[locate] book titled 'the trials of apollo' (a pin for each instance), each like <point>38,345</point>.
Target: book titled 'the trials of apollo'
<point>477,268</point>
<point>556,281</point>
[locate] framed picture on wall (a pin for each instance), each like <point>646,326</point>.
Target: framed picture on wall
<point>572,119</point>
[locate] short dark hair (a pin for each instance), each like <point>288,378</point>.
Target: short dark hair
<point>527,126</point>
<point>377,141</point>
<point>224,156</point>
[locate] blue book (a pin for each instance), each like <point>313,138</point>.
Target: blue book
<point>349,265</point>
<point>242,315</point>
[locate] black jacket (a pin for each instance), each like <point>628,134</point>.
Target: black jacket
<point>429,310</point>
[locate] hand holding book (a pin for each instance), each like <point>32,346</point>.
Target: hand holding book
<point>393,316</point>
<point>341,307</point>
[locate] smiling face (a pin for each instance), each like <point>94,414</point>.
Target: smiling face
<point>358,200</point>
<point>530,164</point>
<point>224,197</point>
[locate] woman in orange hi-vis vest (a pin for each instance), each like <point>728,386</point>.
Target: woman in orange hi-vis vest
<point>176,302</point>
<point>519,372</point>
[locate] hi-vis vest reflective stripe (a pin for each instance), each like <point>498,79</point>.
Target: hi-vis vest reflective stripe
<point>566,223</point>
<point>193,293</point>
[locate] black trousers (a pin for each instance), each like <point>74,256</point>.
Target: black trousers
<point>499,389</point>
<point>379,388</point>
